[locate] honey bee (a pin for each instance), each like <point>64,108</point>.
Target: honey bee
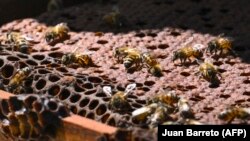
<point>159,116</point>
<point>114,18</point>
<point>19,42</point>
<point>129,57</point>
<point>187,52</point>
<point>166,97</point>
<point>231,113</point>
<point>18,78</point>
<point>152,64</point>
<point>185,109</point>
<point>84,60</point>
<point>118,101</point>
<point>142,113</point>
<point>57,33</point>
<point>209,71</point>
<point>222,44</point>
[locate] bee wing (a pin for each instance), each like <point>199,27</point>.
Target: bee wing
<point>28,38</point>
<point>221,35</point>
<point>107,90</point>
<point>199,61</point>
<point>129,88</point>
<point>209,60</point>
<point>75,49</point>
<point>188,42</point>
<point>199,47</point>
<point>87,52</point>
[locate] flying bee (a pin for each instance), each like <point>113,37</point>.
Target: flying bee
<point>142,113</point>
<point>84,60</point>
<point>152,64</point>
<point>57,33</point>
<point>19,42</point>
<point>185,109</point>
<point>129,57</point>
<point>18,78</point>
<point>54,5</point>
<point>166,97</point>
<point>231,113</point>
<point>222,44</point>
<point>187,52</point>
<point>209,71</point>
<point>118,101</point>
<point>114,18</point>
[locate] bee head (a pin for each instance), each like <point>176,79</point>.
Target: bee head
<point>156,71</point>
<point>175,56</point>
<point>27,70</point>
<point>24,48</point>
<point>211,73</point>
<point>49,37</point>
<point>211,46</point>
<point>66,59</point>
<point>223,115</point>
<point>116,52</point>
<point>128,64</point>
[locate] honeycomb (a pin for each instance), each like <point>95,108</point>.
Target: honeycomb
<point>159,27</point>
<point>31,117</point>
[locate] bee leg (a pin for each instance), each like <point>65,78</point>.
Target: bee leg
<point>197,73</point>
<point>230,120</point>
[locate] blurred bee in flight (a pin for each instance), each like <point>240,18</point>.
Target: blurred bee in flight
<point>209,72</point>
<point>231,113</point>
<point>221,44</point>
<point>19,42</point>
<point>18,79</point>
<point>152,64</point>
<point>57,33</point>
<point>83,60</point>
<point>115,18</point>
<point>54,5</point>
<point>187,52</point>
<point>118,101</point>
<point>130,57</point>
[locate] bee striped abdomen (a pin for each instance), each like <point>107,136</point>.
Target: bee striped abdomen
<point>132,59</point>
<point>224,43</point>
<point>83,60</point>
<point>229,114</point>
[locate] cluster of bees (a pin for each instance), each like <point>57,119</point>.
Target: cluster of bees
<point>159,107</point>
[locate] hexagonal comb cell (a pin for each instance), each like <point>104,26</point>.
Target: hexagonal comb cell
<point>31,117</point>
